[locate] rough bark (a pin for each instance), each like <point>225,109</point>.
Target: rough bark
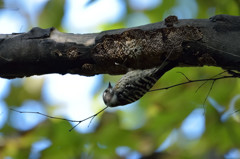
<point>187,42</point>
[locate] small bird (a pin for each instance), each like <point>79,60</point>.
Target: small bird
<point>133,85</point>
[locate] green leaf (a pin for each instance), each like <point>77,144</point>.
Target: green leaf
<point>156,15</point>
<point>52,14</point>
<point>26,89</point>
<point>1,3</point>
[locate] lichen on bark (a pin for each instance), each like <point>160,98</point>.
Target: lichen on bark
<point>137,48</point>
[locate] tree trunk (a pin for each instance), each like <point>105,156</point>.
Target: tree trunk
<point>187,42</point>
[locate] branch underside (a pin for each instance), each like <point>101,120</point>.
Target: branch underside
<point>192,42</point>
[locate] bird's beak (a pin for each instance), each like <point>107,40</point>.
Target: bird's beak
<point>109,85</point>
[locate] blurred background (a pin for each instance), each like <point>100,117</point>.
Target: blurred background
<point>171,123</point>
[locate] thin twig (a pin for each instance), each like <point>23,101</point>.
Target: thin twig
<point>48,116</point>
<point>209,91</point>
<point>88,118</point>
<point>184,76</point>
<point>237,74</point>
<point>200,80</point>
<point>91,121</point>
<point>210,78</point>
<point>235,111</point>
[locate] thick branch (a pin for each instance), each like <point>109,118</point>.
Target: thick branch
<point>191,42</point>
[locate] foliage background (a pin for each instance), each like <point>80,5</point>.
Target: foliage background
<point>164,124</point>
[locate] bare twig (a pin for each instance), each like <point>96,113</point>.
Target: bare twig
<point>236,111</point>
<point>78,121</point>
<point>200,80</point>
<point>210,78</point>
<point>93,116</point>
<point>184,76</point>
<point>192,81</point>
<point>209,91</point>
<point>48,116</point>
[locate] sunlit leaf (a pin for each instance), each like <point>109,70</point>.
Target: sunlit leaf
<point>22,90</point>
<point>52,14</point>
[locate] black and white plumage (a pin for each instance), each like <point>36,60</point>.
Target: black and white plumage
<point>133,85</point>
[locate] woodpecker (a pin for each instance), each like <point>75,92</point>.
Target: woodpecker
<point>133,85</point>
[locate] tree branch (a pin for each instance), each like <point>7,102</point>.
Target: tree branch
<point>194,42</point>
